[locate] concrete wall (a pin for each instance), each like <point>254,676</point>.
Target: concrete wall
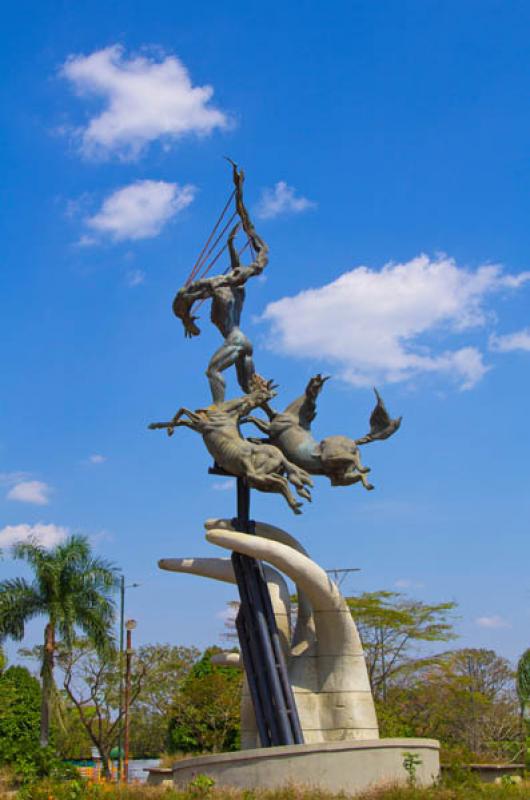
<point>333,766</point>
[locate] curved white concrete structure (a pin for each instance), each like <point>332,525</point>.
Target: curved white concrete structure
<point>348,767</point>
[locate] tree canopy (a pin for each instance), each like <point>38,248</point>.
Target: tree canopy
<point>72,589</point>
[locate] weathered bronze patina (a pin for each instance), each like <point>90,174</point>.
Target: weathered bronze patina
<point>337,457</point>
<point>227,293</point>
<point>263,466</point>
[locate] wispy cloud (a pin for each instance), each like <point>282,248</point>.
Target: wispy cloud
<point>495,621</point>
<point>281,199</point>
<point>393,324</point>
<point>138,211</point>
<point>135,278</point>
<point>10,478</point>
<point>145,99</point>
<point>223,486</point>
<point>507,343</point>
<point>46,535</point>
<point>96,458</point>
<point>35,492</point>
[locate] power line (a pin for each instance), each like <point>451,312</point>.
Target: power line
<point>340,575</point>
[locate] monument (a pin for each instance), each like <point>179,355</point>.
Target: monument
<point>307,712</point>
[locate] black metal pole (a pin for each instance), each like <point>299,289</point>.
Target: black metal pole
<point>271,692</point>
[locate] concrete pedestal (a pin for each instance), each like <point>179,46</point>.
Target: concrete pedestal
<point>348,766</point>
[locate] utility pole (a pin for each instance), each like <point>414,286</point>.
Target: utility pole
<point>130,626</point>
<point>122,670</point>
<point>120,711</point>
<point>338,575</point>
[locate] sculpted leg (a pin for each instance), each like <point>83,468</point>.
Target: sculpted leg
<point>274,483</point>
<point>222,359</point>
<point>245,370</point>
<point>299,478</point>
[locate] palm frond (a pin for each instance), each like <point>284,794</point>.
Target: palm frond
<point>20,601</point>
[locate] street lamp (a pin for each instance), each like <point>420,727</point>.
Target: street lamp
<point>122,618</point>
<point>130,625</point>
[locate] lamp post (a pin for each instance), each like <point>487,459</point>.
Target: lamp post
<point>130,625</point>
<point>121,665</point>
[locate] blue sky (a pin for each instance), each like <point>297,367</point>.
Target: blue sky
<point>387,152</point>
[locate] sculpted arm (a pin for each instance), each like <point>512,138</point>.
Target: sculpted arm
<point>236,276</point>
<point>259,247</point>
<point>184,300</point>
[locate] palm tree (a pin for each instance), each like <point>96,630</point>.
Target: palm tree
<point>71,588</point>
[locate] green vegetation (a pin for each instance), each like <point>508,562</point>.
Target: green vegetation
<point>201,788</point>
<point>71,588</point>
<point>472,700</point>
<point>205,712</point>
<point>19,716</point>
<point>391,626</point>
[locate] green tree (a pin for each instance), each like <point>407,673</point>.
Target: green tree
<point>91,683</point>
<point>523,694</point>
<point>523,682</point>
<point>20,700</point>
<point>205,714</point>
<point>91,680</point>
<point>90,711</point>
<point>167,669</point>
<point>391,627</point>
<point>71,588</point>
<point>465,698</point>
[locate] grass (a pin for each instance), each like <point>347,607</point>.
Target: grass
<point>69,790</point>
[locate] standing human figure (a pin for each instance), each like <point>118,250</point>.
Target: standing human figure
<point>227,293</point>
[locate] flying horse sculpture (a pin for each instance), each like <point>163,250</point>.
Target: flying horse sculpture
<point>263,466</point>
<point>227,293</point>
<point>337,457</point>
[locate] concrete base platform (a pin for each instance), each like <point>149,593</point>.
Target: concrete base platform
<point>347,766</point>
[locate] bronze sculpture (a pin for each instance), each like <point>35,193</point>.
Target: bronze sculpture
<point>263,466</point>
<point>331,707</point>
<point>337,457</point>
<point>227,293</point>
<point>290,453</point>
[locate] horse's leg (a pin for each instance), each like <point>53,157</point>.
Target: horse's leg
<point>299,478</point>
<point>272,482</point>
<point>358,463</point>
<point>263,426</point>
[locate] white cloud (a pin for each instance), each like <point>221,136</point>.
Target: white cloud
<point>36,492</point>
<point>135,278</point>
<point>494,621</point>
<point>46,535</point>
<point>139,210</point>
<point>392,324</point>
<point>223,486</point>
<point>281,199</point>
<point>145,100</point>
<point>97,458</point>
<point>520,340</point>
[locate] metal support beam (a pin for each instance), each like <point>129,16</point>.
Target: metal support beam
<point>271,692</point>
